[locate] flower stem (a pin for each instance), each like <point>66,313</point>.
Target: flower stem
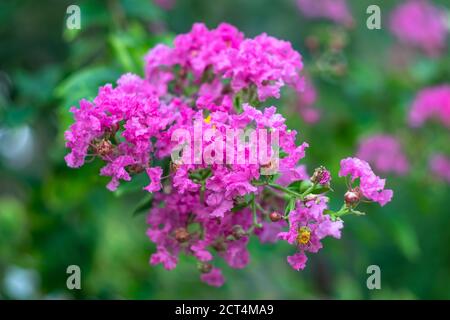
<point>286,190</point>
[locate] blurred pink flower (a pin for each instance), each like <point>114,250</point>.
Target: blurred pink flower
<point>334,10</point>
<point>305,103</point>
<point>385,153</point>
<point>420,24</point>
<point>431,102</point>
<point>213,278</point>
<point>165,4</point>
<point>440,167</point>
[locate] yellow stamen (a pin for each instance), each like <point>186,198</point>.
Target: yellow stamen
<point>304,235</point>
<point>207,119</point>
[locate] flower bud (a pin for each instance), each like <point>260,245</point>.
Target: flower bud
<point>135,168</point>
<point>310,197</point>
<point>174,167</point>
<point>321,176</point>
<point>205,267</point>
<point>238,232</point>
<point>312,43</point>
<point>275,216</point>
<point>104,147</point>
<point>182,235</point>
<point>352,197</point>
<point>220,246</point>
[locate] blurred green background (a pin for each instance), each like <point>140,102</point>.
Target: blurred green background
<point>52,216</point>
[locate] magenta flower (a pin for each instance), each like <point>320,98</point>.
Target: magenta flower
<point>213,278</point>
<point>420,24</point>
<point>321,176</point>
<point>305,103</point>
<point>440,167</point>
<point>155,179</point>
<point>308,226</point>
<point>370,185</point>
<point>334,10</point>
<point>431,102</point>
<point>385,153</point>
<point>212,80</point>
<point>264,62</point>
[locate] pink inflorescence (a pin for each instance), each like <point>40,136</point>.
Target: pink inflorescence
<point>370,185</point>
<point>308,226</point>
<point>440,167</point>
<point>431,102</point>
<point>385,153</point>
<point>420,24</point>
<point>334,10</point>
<point>213,80</point>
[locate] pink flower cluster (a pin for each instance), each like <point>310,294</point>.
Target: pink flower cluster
<point>306,101</point>
<point>308,225</point>
<point>370,185</point>
<point>334,10</point>
<point>209,209</point>
<point>440,167</point>
<point>431,102</point>
<point>223,53</point>
<point>385,153</point>
<point>119,125</point>
<point>420,24</point>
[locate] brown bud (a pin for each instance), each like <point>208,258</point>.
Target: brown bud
<point>205,267</point>
<point>174,167</point>
<point>182,235</point>
<point>238,232</point>
<point>275,216</point>
<point>104,148</point>
<point>352,197</point>
<point>135,168</point>
<point>310,197</point>
<point>219,246</point>
<point>321,176</point>
<point>340,69</point>
<point>312,43</point>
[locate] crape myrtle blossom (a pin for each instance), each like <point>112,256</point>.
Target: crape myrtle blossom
<point>308,226</point>
<point>206,203</point>
<point>431,103</point>
<point>385,153</point>
<point>334,10</point>
<point>370,185</point>
<point>263,62</point>
<point>440,167</point>
<point>420,24</point>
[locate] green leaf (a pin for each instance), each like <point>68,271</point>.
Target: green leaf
<point>144,205</point>
<point>137,183</point>
<point>194,227</point>
<point>239,206</point>
<point>358,213</point>
<point>144,10</point>
<point>290,205</point>
<point>304,185</point>
<point>319,189</point>
<point>84,84</point>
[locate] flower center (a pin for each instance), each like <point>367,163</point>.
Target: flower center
<point>304,235</point>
